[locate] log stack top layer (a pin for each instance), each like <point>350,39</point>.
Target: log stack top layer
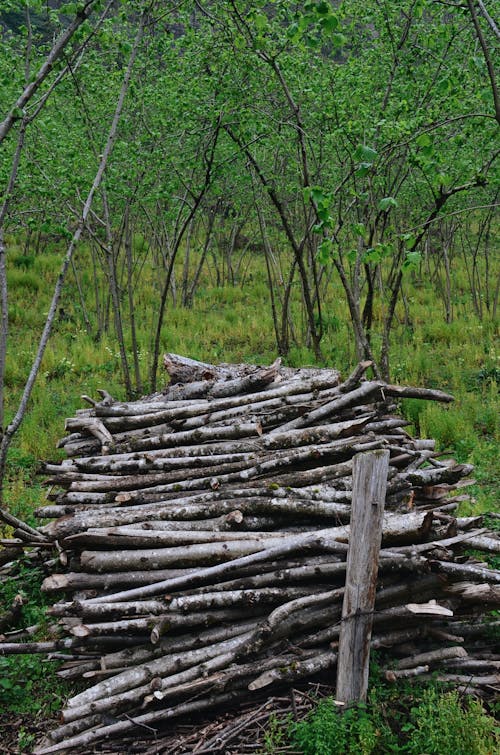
<point>205,528</point>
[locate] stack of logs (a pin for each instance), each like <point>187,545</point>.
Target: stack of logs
<point>202,537</point>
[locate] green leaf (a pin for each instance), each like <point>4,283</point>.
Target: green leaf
<point>363,170</point>
<point>373,255</point>
<point>443,86</point>
<point>320,197</point>
<point>293,32</point>
<point>412,260</point>
<point>323,8</point>
<point>409,239</point>
<point>424,140</point>
<point>329,23</point>
<point>324,251</point>
<point>260,22</point>
<point>386,203</point>
<point>359,229</point>
<point>365,154</point>
<point>338,40</point>
<point>426,144</point>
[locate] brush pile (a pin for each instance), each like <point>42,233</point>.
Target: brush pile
<point>202,537</point>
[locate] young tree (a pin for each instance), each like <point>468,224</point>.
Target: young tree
<point>9,431</point>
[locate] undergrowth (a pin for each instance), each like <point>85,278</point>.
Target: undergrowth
<point>28,683</point>
<point>413,721</point>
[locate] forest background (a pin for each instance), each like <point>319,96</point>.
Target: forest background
<point>236,180</point>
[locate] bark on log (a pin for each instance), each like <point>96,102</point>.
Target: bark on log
<point>395,526</point>
<point>251,468</point>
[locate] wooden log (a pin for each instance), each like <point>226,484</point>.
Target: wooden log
<point>241,470</point>
<point>26,532</point>
<point>294,671</point>
<point>268,572</point>
<point>138,459</point>
<point>140,464</point>
<point>368,499</point>
<point>168,645</point>
<point>108,538</point>
<point>468,680</point>
<point>473,572</point>
<point>199,435</point>
<point>247,597</point>
<point>393,675</point>
<point>83,703</point>
<point>28,648</point>
<point>432,657</point>
<point>73,581</point>
<point>473,664</point>
<point>475,593</point>
<point>228,379</point>
<point>211,504</point>
<point>180,556</point>
<point>119,728</point>
<point>322,381</point>
<point>271,410</point>
<point>104,610</point>
<point>331,408</point>
<point>490,544</point>
<point>395,526</point>
<point>226,598</point>
<point>142,627</point>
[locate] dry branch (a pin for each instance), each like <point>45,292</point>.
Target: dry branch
<point>202,535</point>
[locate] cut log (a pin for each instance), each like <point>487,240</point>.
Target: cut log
<point>202,536</point>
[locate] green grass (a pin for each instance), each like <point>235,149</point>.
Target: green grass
<point>234,323</point>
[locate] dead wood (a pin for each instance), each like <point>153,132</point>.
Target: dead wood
<point>202,534</point>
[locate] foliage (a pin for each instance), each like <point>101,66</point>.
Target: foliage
<point>435,722</point>
<point>332,731</point>
<point>442,724</point>
<point>28,683</point>
<point>26,583</point>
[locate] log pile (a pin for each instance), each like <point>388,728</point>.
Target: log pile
<point>202,536</point>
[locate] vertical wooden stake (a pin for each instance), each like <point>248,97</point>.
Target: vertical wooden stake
<point>368,499</point>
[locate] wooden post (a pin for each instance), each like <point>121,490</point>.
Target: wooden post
<point>368,499</point>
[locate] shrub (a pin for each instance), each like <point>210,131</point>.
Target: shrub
<point>330,731</point>
<point>440,725</point>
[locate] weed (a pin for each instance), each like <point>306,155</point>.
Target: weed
<point>397,719</point>
<point>28,684</point>
<point>330,730</point>
<point>442,725</point>
<point>276,733</point>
